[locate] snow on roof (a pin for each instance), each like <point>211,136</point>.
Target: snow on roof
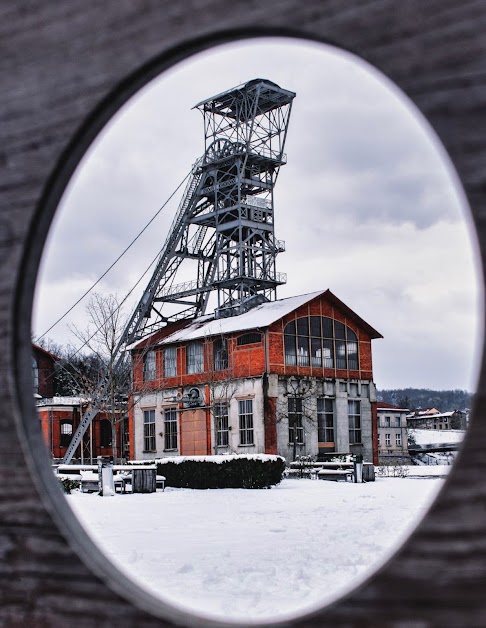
<point>261,316</point>
<point>438,415</point>
<point>426,437</point>
<point>382,405</point>
<point>62,401</point>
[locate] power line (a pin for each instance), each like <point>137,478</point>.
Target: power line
<point>117,260</point>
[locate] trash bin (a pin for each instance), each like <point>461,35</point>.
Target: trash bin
<point>105,476</point>
<point>358,468</point>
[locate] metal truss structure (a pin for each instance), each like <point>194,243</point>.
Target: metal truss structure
<point>222,237</point>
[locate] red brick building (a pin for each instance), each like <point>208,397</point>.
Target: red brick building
<point>59,418</point>
<point>43,371</point>
<point>292,377</point>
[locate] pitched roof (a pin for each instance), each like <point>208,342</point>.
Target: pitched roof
<point>382,405</point>
<point>45,352</point>
<point>257,318</point>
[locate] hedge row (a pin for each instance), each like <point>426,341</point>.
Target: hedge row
<point>226,472</point>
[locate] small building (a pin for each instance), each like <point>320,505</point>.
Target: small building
<point>291,377</point>
<point>392,434</point>
<point>43,372</point>
<point>453,420</point>
<point>59,418</point>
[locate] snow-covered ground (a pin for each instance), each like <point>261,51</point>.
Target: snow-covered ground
<point>255,554</point>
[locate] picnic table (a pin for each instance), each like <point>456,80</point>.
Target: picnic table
<point>141,478</point>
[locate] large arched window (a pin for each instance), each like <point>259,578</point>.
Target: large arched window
<point>322,342</point>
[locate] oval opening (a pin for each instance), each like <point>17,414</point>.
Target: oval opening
<point>371,210</point>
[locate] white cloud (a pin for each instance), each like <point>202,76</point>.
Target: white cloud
<point>365,204</point>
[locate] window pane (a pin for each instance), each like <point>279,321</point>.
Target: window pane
<point>354,418</point>
<point>328,354</point>
<point>220,350</point>
<point>251,338</point>
<point>221,422</point>
<point>340,354</point>
<point>195,358</point>
<point>170,362</point>
<point>149,366</point>
<point>245,411</point>
<point>296,430</point>
<point>302,351</point>
<point>350,335</point>
<point>327,328</point>
<point>315,326</point>
<point>290,351</point>
<point>352,348</point>
<point>325,420</point>
<point>316,352</point>
<point>339,330</point>
<point>303,326</point>
<point>290,328</point>
<point>149,430</point>
<point>170,428</point>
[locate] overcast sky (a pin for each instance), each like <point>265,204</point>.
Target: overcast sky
<point>366,204</point>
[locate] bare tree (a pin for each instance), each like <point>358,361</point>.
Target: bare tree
<point>106,323</point>
<point>222,386</point>
<point>297,406</point>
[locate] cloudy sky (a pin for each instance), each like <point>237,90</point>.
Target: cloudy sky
<point>366,204</point>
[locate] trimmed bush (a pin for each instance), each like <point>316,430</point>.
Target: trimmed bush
<point>232,471</point>
<point>69,485</point>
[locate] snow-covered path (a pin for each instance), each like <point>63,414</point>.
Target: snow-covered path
<point>255,554</point>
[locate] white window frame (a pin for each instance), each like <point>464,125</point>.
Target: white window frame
<point>325,415</point>
<point>170,429</point>
<point>194,358</point>
<point>245,420</point>
<point>170,362</point>
<point>149,429</point>
<point>221,423</point>
<point>354,421</point>
<point>149,366</point>
<point>298,423</point>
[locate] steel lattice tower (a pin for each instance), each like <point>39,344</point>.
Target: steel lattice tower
<point>245,130</point>
<point>224,226</point>
<point>225,222</point>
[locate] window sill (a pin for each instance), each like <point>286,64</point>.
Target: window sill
<point>149,451</point>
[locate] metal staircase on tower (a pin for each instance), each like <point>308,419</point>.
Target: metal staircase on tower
<point>222,238</point>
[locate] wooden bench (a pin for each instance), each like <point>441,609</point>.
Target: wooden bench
<point>335,475</point>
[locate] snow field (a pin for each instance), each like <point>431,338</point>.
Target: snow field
<point>254,555</point>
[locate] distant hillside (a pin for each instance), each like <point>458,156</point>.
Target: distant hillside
<point>443,400</point>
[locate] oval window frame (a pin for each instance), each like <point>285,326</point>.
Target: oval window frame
<point>23,410</point>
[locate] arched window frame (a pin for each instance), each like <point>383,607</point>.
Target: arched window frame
<point>321,342</point>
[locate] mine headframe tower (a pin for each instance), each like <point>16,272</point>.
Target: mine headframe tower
<point>224,226</point>
<point>225,222</point>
